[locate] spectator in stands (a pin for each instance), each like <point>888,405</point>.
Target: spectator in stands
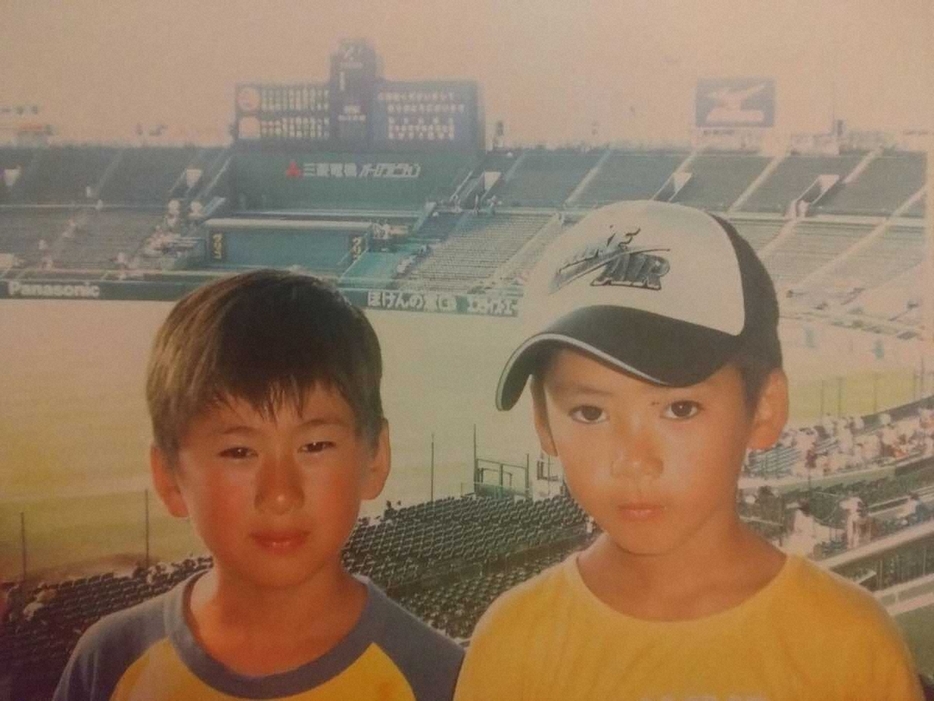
<point>926,416</point>
<point>852,506</point>
<point>858,424</point>
<point>913,511</point>
<point>41,598</point>
<point>650,394</point>
<point>889,441</point>
<point>264,394</point>
<point>803,537</point>
<point>863,526</point>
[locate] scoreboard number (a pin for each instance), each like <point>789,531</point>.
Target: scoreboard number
<point>218,251</point>
<point>356,247</point>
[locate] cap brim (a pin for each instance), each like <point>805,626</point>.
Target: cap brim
<point>655,348</point>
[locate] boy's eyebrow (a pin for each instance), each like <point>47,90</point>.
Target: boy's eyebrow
<point>323,421</point>
<point>309,423</point>
<point>574,387</point>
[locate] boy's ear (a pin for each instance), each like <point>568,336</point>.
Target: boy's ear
<point>540,417</point>
<point>377,469</point>
<point>771,411</point>
<point>166,482</point>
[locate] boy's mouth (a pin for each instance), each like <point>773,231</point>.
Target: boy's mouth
<point>280,541</point>
<point>639,511</point>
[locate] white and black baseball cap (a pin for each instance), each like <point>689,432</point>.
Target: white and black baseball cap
<point>665,292</point>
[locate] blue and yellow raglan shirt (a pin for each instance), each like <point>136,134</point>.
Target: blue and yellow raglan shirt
<point>149,652</point>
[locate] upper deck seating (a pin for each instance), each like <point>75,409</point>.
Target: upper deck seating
<point>718,179</point>
<point>918,209</point>
<point>16,156</point>
<point>793,175</point>
<point>499,161</point>
<point>145,176</point>
<point>888,181</point>
<point>546,178</point>
<point>630,175</point>
<point>64,174</point>
<point>14,159</point>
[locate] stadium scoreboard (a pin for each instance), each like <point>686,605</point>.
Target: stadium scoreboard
<point>358,110</point>
<point>436,112</point>
<point>283,112</point>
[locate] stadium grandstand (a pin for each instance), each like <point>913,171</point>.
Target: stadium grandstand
<point>430,222</point>
<point>406,204</point>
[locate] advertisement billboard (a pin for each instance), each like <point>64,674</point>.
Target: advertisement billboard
<point>735,102</point>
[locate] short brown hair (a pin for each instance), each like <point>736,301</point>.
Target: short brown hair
<point>266,337</point>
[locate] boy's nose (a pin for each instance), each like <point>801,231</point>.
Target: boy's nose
<point>279,486</point>
<point>636,458</point>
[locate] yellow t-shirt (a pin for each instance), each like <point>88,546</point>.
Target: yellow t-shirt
<point>807,635</point>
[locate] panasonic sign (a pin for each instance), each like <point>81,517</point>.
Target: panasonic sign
<point>45,290</point>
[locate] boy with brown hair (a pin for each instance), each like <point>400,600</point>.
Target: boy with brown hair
<point>650,335</point>
<point>264,394</point>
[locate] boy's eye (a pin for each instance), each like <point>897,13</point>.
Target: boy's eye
<point>683,409</point>
<point>316,446</point>
<point>588,414</point>
<point>237,453</point>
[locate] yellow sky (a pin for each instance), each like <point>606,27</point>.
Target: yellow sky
<point>548,68</point>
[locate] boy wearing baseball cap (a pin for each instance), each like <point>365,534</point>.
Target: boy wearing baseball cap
<point>650,337</point>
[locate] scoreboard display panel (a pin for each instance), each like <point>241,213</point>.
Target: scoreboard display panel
<point>283,112</point>
<point>425,113</point>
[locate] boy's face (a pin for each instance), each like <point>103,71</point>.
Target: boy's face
<point>654,466</point>
<point>274,499</point>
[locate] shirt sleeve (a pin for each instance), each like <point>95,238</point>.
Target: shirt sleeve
<point>882,667</point>
<point>894,674</point>
<point>106,649</point>
<point>490,671</point>
<point>77,680</point>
